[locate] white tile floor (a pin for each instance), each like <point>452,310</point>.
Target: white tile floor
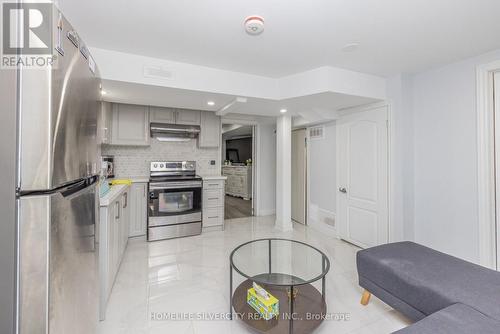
<point>192,275</point>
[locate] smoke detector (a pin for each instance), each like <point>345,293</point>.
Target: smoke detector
<point>254,25</point>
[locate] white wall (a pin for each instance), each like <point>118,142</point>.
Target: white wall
<point>446,210</point>
<point>322,177</point>
<point>401,145</point>
<point>267,165</point>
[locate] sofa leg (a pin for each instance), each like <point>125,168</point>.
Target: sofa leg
<point>366,298</point>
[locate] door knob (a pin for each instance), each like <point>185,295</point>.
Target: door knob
<point>343,190</point>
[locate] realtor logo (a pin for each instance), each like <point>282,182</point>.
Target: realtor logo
<point>26,34</point>
<point>27,28</point>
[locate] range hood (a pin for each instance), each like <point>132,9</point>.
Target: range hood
<point>174,132</point>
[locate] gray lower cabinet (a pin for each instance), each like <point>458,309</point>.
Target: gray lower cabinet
<point>213,203</point>
<point>113,237</point>
<point>130,125</point>
<point>210,130</point>
<point>138,209</point>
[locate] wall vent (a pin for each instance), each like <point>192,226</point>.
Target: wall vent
<point>317,132</point>
<point>157,72</point>
<point>330,221</point>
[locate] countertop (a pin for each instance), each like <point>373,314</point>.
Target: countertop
<point>112,194</point>
<point>214,177</point>
<point>133,178</point>
<point>236,166</point>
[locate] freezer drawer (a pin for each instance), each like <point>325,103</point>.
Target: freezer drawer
<point>173,231</point>
<point>173,220</point>
<point>58,286</point>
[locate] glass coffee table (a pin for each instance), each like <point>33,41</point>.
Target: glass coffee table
<point>287,269</point>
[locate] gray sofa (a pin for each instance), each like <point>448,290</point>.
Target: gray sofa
<point>443,294</point>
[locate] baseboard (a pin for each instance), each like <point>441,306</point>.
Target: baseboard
<point>323,221</point>
<point>268,212</point>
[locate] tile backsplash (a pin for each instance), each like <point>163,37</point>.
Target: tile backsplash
<point>135,160</point>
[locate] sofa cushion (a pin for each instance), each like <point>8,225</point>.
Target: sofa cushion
<point>429,280</point>
<point>455,319</point>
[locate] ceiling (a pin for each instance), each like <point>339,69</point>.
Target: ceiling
<point>394,36</point>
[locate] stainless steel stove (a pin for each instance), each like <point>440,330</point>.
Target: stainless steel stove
<point>175,198</point>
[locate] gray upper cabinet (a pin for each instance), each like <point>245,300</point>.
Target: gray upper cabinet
<point>210,130</point>
<point>130,125</point>
<point>162,115</point>
<point>104,122</point>
<point>188,117</point>
<point>175,116</point>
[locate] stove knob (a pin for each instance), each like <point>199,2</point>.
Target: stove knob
<point>161,165</point>
<point>155,165</point>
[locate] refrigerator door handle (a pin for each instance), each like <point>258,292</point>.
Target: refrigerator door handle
<point>79,187</point>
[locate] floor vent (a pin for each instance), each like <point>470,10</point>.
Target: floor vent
<point>317,132</point>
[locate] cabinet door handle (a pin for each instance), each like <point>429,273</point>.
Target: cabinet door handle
<point>212,198</point>
<point>118,208</point>
<point>213,217</point>
<point>126,200</point>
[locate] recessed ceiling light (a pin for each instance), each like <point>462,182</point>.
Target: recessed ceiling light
<point>211,103</point>
<point>351,47</point>
<point>283,111</point>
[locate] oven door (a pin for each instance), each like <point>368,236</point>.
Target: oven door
<point>174,203</point>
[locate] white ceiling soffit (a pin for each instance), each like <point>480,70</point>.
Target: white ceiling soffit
<point>239,132</point>
<point>323,104</point>
<point>394,36</point>
<point>131,68</point>
<point>230,127</point>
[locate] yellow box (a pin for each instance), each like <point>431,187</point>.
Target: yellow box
<point>267,308</point>
<point>122,181</point>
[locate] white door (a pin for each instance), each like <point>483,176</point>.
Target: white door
<point>497,158</point>
<point>362,177</point>
<point>299,172</point>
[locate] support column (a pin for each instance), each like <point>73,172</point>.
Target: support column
<point>284,173</point>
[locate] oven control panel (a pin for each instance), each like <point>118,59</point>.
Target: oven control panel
<point>173,166</point>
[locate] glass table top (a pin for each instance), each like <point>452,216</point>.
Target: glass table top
<point>281,262</point>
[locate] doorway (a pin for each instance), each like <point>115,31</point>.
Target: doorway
<point>238,152</point>
<point>299,176</point>
<point>488,128</point>
<point>496,110</point>
<point>362,177</point>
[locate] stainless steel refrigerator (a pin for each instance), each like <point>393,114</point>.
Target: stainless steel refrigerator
<point>48,199</point>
